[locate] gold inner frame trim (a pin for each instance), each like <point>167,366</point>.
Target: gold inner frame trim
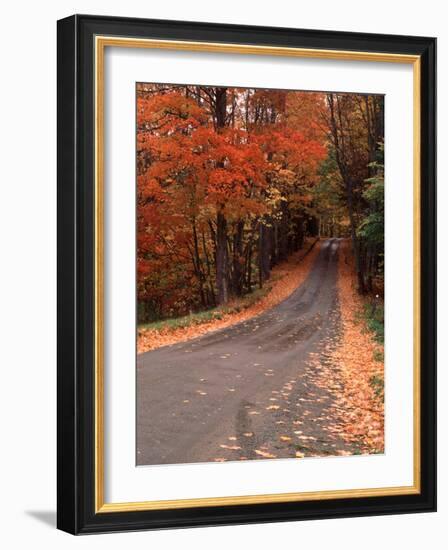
<point>101,42</point>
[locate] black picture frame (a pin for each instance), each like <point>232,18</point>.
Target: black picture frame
<point>76,300</point>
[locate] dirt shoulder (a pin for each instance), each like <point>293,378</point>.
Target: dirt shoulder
<point>285,278</point>
<point>354,370</point>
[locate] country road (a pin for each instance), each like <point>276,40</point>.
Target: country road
<point>248,391</point>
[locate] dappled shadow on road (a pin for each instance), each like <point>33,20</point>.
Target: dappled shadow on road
<point>248,391</point>
<point>298,418</point>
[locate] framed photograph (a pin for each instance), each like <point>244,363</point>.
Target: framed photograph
<point>246,274</point>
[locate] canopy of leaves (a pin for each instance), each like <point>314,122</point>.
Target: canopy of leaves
<point>231,180</point>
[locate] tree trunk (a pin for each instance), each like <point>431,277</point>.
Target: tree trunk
<point>355,241</point>
<point>210,291</point>
<point>238,259</point>
<point>283,238</point>
<point>221,259</point>
<point>197,263</point>
<point>222,263</point>
<point>300,235</point>
<point>337,131</point>
<point>249,268</point>
<point>264,253</point>
<point>221,107</point>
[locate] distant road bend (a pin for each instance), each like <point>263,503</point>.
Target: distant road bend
<point>228,395</point>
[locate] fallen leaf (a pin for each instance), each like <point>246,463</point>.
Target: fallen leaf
<point>264,454</point>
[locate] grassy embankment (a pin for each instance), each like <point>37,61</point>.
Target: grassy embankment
<point>284,279</point>
<point>359,358</point>
<point>373,318</point>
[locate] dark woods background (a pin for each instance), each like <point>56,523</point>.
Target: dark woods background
<point>233,181</point>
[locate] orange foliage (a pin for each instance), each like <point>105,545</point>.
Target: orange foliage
<point>360,412</point>
<point>189,171</point>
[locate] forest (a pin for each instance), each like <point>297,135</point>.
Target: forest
<point>232,181</point>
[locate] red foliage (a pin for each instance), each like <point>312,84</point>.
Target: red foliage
<point>189,170</point>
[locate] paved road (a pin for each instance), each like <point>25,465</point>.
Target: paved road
<point>241,392</point>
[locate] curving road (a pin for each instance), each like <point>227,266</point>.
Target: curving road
<point>245,391</point>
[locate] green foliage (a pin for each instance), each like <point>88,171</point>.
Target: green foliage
<point>202,317</point>
<point>371,228</point>
<point>374,317</point>
<point>377,384</point>
<point>378,355</point>
<point>186,321</point>
<point>329,202</point>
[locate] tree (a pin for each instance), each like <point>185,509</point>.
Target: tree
<point>230,181</point>
<point>355,128</point>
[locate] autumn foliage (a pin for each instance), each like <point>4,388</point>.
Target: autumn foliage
<point>235,188</point>
<point>224,189</point>
<point>357,373</point>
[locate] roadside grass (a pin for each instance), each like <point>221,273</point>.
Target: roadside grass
<point>378,355</point>
<point>181,322</point>
<point>285,278</point>
<point>202,317</point>
<point>377,384</point>
<point>237,305</point>
<point>373,317</point>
